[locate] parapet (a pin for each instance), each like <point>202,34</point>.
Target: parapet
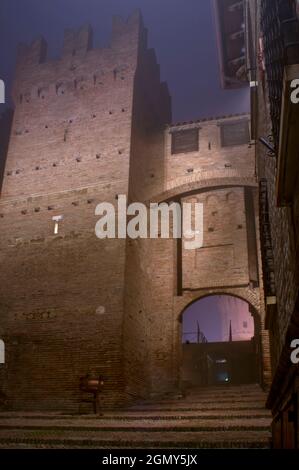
<point>134,27</point>
<point>79,42</point>
<point>35,53</point>
<point>120,26</point>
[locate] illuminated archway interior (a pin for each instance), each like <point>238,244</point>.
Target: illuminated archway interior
<point>220,344</point>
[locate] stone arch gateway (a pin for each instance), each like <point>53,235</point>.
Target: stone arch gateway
<point>219,318</point>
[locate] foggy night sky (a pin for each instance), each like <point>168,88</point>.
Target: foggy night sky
<point>181,31</point>
<point>211,312</point>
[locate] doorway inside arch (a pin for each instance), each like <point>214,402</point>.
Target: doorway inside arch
<point>220,343</point>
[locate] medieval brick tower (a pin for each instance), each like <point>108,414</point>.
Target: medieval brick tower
<point>62,295</point>
<point>88,127</point>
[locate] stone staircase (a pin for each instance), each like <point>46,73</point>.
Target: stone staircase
<point>218,417</point>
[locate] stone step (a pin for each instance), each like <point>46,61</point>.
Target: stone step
<point>223,396</point>
<point>226,389</point>
<point>253,388</point>
<point>197,404</point>
<point>206,399</point>
<point>149,425</point>
<point>183,406</point>
<point>134,416</point>
<point>211,396</point>
<point>213,390</point>
<point>208,418</point>
<point>141,410</point>
<point>120,439</point>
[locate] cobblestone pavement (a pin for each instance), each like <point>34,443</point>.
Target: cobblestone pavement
<point>230,417</point>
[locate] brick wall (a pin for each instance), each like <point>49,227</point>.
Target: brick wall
<point>62,295</point>
<point>87,127</point>
<point>223,259</point>
<point>5,126</point>
<point>281,260</point>
<point>162,278</point>
<point>211,158</point>
<point>283,236</point>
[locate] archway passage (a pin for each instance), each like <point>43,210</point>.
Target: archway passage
<point>220,343</point>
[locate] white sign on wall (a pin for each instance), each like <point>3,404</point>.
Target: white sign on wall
<point>2,92</point>
<point>2,352</point>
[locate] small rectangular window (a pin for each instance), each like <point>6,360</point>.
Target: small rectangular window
<point>184,141</point>
<point>234,133</point>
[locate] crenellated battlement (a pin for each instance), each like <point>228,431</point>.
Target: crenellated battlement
<point>77,42</point>
<point>66,108</point>
<point>78,57</point>
<point>35,53</point>
<point>81,67</point>
<point>119,25</point>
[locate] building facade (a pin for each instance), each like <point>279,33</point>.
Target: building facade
<point>89,127</point>
<point>229,18</point>
<point>273,62</point>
